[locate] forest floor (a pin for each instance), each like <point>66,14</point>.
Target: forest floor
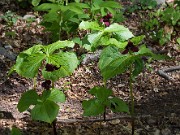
<point>157,101</point>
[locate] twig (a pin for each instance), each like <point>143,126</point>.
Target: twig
<point>93,120</point>
<point>163,72</point>
<point>125,117</point>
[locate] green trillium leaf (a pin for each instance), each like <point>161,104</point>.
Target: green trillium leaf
<point>115,27</point>
<point>106,41</point>
<point>121,63</point>
<point>138,67</point>
<point>67,63</point>
<point>117,66</point>
<point>45,111</point>
<point>110,4</point>
<point>30,65</point>
<point>35,2</point>
<point>85,25</point>
<point>107,55</point>
<point>101,93</point>
<point>24,57</point>
<point>46,6</point>
<point>118,105</point>
<point>33,50</point>
<point>15,131</point>
<point>92,107</point>
<point>58,45</point>
<point>57,96</point>
<point>137,40</point>
<point>28,98</point>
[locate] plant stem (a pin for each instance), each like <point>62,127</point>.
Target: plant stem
<point>53,85</point>
<point>104,114</point>
<point>66,2</point>
<point>105,83</point>
<point>92,12</point>
<point>54,127</point>
<point>132,97</point>
<point>60,24</point>
<point>34,83</point>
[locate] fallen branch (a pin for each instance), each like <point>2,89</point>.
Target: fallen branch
<point>124,117</point>
<point>163,72</point>
<point>92,120</point>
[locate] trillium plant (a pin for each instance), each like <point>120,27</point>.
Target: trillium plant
<point>122,52</point>
<point>52,63</point>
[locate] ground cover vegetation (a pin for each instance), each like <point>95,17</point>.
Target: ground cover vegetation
<point>90,25</point>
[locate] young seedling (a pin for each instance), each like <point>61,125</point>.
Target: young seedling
<point>55,64</point>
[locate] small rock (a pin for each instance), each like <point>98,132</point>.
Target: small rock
<point>120,85</point>
<point>166,131</point>
<point>156,90</point>
<point>91,57</point>
<point>8,54</point>
<point>151,121</point>
<point>115,122</point>
<point>26,17</point>
<point>38,20</point>
<point>9,47</point>
<point>157,132</point>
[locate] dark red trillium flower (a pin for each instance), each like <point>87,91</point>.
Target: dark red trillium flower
<point>50,67</point>
<point>130,47</point>
<point>106,20</point>
<point>46,84</point>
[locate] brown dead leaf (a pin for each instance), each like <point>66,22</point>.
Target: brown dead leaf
<point>168,29</point>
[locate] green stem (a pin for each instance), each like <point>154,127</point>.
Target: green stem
<point>92,12</point>
<point>132,97</point>
<point>52,85</point>
<point>104,114</point>
<point>54,127</point>
<point>60,25</point>
<point>34,83</point>
<point>105,83</point>
<point>66,2</point>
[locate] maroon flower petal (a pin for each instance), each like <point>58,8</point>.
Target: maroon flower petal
<point>130,47</point>
<point>134,49</point>
<point>50,67</point>
<point>125,51</point>
<point>46,84</point>
<point>107,24</point>
<point>109,16</point>
<point>101,20</point>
